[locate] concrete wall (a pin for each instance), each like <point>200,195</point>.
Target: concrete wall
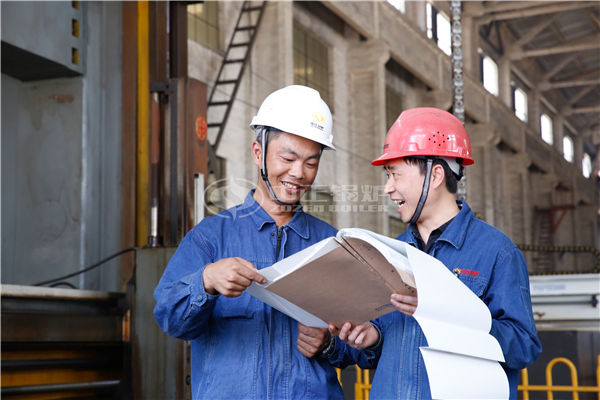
<point>61,152</point>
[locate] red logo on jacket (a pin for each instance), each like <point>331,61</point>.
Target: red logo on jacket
<point>458,271</point>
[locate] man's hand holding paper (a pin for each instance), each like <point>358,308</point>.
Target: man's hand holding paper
<point>311,341</point>
<point>358,336</point>
<point>365,335</point>
<point>404,303</point>
<point>230,276</point>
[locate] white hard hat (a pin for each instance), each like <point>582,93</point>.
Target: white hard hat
<point>298,110</point>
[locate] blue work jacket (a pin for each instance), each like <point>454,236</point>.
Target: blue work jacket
<point>241,347</point>
<point>494,269</point>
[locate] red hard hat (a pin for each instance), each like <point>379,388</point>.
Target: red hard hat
<point>426,131</point>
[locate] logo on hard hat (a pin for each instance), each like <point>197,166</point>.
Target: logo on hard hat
<point>318,117</point>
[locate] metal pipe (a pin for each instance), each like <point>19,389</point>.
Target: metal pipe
<point>198,198</point>
<point>154,239</point>
<point>59,387</point>
<point>143,102</point>
<point>458,85</point>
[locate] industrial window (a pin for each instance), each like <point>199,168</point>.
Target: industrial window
<point>568,148</point>
<point>520,103</point>
<point>320,205</point>
<point>438,28</point>
<point>311,62</point>
<point>396,227</point>
<point>586,165</point>
<point>546,128</point>
<point>489,74</point>
<point>393,106</point>
<point>400,5</point>
<point>203,23</point>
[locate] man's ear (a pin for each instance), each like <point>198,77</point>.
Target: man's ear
<point>257,153</point>
<point>438,176</point>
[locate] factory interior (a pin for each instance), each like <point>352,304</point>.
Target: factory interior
<point>124,124</point>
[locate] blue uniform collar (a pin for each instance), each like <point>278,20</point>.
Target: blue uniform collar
<point>298,223</point>
<point>456,231</point>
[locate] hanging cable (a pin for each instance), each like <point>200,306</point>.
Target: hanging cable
<point>86,269</point>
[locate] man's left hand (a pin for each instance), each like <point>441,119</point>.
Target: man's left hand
<point>312,340</point>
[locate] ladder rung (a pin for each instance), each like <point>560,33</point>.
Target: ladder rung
<point>234,60</point>
<point>245,28</point>
<point>255,8</point>
<point>213,124</point>
<point>240,44</point>
<point>219,103</point>
<point>226,82</point>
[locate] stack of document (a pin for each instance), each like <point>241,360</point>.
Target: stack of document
<point>350,277</point>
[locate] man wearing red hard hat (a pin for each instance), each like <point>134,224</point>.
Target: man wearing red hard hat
<point>423,156</point>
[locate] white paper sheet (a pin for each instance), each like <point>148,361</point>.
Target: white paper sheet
<point>461,314</point>
<point>454,376</point>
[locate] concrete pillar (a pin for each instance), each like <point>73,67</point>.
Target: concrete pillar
<point>438,98</point>
<point>516,197</point>
<point>366,79</point>
<point>415,11</point>
<point>558,132</point>
<point>504,88</point>
<point>534,111</point>
<point>483,175</point>
<point>470,46</point>
<point>578,152</point>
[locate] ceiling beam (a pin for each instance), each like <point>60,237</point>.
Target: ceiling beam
<point>562,39</point>
<point>558,67</point>
<point>579,96</point>
<point>582,110</point>
<point>589,42</point>
<point>533,32</point>
<point>540,8</point>
<point>563,84</point>
<point>590,132</point>
<point>594,18</point>
<point>502,6</point>
<point>590,74</point>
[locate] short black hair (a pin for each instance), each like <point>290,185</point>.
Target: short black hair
<point>273,133</point>
<point>450,177</point>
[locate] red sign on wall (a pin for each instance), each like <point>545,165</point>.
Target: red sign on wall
<point>200,128</point>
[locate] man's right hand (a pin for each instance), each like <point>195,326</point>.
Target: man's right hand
<point>358,336</point>
<point>230,276</point>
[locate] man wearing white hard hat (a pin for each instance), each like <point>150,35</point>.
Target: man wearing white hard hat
<point>241,347</point>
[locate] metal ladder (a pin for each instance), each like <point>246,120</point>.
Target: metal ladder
<point>232,68</point>
<point>544,261</point>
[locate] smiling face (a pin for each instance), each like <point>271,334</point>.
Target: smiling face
<point>404,185</point>
<point>292,164</point>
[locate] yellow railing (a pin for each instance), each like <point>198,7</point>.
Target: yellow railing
<point>363,382</point>
<point>549,388</point>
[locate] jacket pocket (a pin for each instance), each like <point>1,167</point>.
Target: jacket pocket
<point>243,306</point>
<point>475,283</point>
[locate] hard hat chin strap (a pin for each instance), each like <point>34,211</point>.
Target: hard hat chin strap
<point>263,171</point>
<point>424,193</point>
